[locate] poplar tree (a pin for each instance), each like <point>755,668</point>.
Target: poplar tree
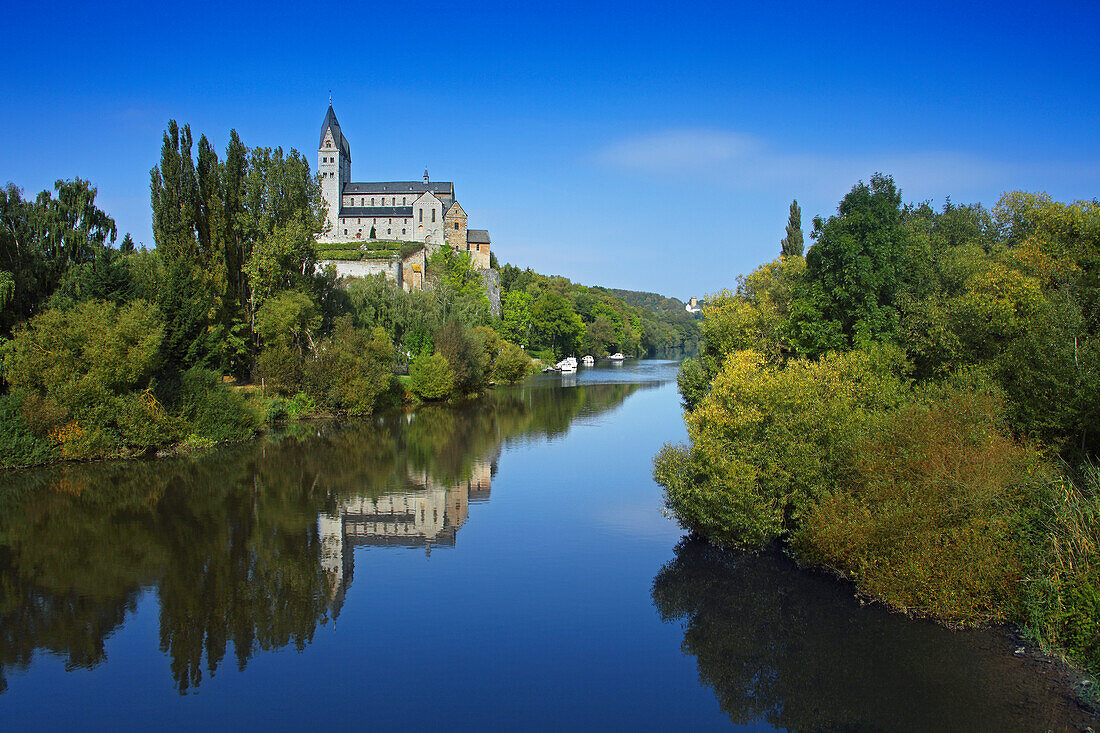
<point>793,242</point>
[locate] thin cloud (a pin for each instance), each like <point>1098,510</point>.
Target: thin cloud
<point>679,151</point>
<point>739,161</point>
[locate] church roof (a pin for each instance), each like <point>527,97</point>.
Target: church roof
<point>477,236</point>
<point>375,211</point>
<point>443,187</point>
<point>337,136</point>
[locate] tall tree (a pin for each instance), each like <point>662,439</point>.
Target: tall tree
<point>174,192</point>
<point>793,245</point>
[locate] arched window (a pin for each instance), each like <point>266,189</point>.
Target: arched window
<point>456,225</point>
<point>372,200</point>
<point>345,231</point>
<point>422,215</point>
<point>433,214</point>
<point>402,231</point>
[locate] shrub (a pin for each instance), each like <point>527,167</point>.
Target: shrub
<point>466,356</point>
<point>511,364</point>
<point>351,369</point>
<point>431,377</point>
<point>929,517</point>
<point>19,445</point>
<point>767,440</point>
<point>1062,592</point>
<point>300,405</point>
<point>92,349</point>
<point>212,412</point>
<point>144,423</point>
<point>280,367</point>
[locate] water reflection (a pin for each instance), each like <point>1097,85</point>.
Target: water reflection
<point>426,514</point>
<point>248,548</point>
<point>794,649</point>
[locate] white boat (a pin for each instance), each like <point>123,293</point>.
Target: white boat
<point>568,364</point>
<point>618,356</point>
<point>588,361</point>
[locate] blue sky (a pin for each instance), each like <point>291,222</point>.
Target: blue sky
<point>653,146</point>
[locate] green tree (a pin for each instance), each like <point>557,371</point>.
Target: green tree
<point>792,244</point>
<point>431,377</point>
<point>857,267</point>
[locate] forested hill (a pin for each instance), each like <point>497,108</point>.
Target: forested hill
<point>654,302</point>
<point>552,316</point>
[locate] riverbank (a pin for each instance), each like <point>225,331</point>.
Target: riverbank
<point>134,581</point>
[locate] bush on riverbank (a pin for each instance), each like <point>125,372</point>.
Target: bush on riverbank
<point>431,377</point>
<point>891,408</point>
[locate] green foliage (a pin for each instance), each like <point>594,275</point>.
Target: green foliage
<point>76,354</point>
<point>792,244</point>
<point>858,264</point>
<point>929,497</point>
<point>693,383</point>
<point>432,377</point>
<point>466,355</point>
<point>1062,592</point>
<point>284,260</point>
<point>19,445</point>
<point>351,369</point>
<point>511,364</point>
<point>213,413</point>
<point>766,442</point>
<point>929,514</point>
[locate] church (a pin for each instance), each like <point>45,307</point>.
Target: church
<point>403,211</point>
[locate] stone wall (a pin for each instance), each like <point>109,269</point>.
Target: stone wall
<point>364,268</point>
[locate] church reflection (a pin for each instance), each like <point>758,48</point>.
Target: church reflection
<point>425,514</point>
<point>249,547</point>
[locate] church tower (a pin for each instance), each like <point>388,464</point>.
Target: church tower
<point>334,165</point>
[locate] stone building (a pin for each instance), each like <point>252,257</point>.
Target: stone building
<point>398,211</point>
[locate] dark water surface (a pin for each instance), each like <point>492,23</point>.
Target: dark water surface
<point>504,565</point>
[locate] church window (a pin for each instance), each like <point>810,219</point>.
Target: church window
<point>387,231</point>
<point>422,215</point>
<point>372,200</point>
<point>402,231</point>
<point>345,231</point>
<point>479,248</point>
<point>402,200</point>
<point>456,225</point>
<point>433,214</point>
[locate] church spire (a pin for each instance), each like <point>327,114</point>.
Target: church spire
<point>425,175</point>
<point>332,125</point>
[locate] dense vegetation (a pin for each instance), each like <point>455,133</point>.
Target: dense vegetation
<point>226,326</point>
<point>229,324</point>
<point>552,317</point>
<point>916,406</point>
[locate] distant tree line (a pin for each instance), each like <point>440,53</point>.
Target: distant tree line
<point>553,317</point>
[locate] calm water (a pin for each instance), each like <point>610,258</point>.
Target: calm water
<point>504,565</point>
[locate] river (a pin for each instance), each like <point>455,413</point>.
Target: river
<point>500,565</point>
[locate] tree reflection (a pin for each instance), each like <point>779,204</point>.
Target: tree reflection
<point>229,539</point>
<point>796,649</point>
